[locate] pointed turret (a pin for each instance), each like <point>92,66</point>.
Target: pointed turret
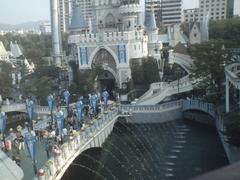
<point>77,22</point>
<point>151,21</point>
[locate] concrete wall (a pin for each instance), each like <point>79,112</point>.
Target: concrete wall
<point>156,117</point>
<point>199,117</point>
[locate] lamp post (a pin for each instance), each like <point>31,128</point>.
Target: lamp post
<point>50,100</point>
<point>79,108</point>
<point>66,95</point>
<point>59,118</point>
<point>30,110</point>
<point>105,96</point>
<point>3,121</point>
<point>160,60</point>
<point>178,73</point>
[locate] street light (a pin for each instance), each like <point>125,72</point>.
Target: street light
<point>79,108</point>
<point>160,60</point>
<point>178,72</point>
<point>59,118</point>
<point>105,96</point>
<point>66,95</point>
<point>30,111</point>
<point>50,100</point>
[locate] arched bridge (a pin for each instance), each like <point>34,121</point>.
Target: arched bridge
<point>95,134</point>
<point>200,106</point>
<point>22,108</point>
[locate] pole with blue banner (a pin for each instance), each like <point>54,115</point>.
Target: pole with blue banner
<point>3,121</point>
<point>59,119</point>
<point>66,95</point>
<point>94,99</point>
<point>79,108</point>
<point>50,100</point>
<point>105,96</point>
<point>30,141</point>
<point>30,110</point>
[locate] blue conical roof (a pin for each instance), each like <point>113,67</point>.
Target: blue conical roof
<point>151,21</point>
<point>77,20</point>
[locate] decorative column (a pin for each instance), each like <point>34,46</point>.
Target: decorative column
<point>227,94</point>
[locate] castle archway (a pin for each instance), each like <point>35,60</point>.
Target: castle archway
<point>106,78</point>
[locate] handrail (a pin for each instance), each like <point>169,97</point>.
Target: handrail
<point>169,89</point>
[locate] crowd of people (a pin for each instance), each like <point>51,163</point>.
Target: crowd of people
<point>78,115</point>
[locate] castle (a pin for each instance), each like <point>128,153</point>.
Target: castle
<point>118,34</point>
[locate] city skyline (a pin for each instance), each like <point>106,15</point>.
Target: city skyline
<point>23,11</point>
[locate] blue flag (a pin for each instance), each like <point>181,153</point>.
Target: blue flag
<point>59,118</point>
<point>30,142</point>
<point>30,108</point>
<point>94,99</point>
<point>3,121</point>
<point>105,96</point>
<point>66,95</point>
<point>79,107</point>
<point>50,100</point>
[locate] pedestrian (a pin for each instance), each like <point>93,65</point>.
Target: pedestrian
<point>20,140</point>
<point>16,152</point>
<point>12,134</point>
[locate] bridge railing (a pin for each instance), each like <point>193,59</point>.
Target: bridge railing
<point>13,107</point>
<point>128,109</point>
<point>22,108</point>
<point>199,105</point>
<point>77,142</point>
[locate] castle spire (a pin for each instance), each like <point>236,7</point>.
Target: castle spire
<point>151,25</point>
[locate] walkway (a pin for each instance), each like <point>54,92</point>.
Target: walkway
<point>159,91</point>
<point>9,170</point>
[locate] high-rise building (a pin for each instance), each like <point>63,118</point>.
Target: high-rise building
<point>87,10</point>
<point>236,8</point>
<point>230,8</point>
<point>215,9</point>
<point>65,8</point>
<point>45,28</point>
<point>171,11</point>
<point>191,15</point>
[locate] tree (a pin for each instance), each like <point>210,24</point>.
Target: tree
<point>5,78</point>
<point>226,30</point>
<point>34,46</point>
<point>84,80</point>
<point>40,87</point>
<point>144,71</point>
<point>210,59</point>
<point>232,128</point>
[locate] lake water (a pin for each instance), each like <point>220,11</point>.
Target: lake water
<point>176,150</point>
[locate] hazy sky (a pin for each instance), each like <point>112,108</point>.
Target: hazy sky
<point>19,11</point>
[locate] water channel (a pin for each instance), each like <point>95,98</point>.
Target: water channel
<point>176,150</point>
